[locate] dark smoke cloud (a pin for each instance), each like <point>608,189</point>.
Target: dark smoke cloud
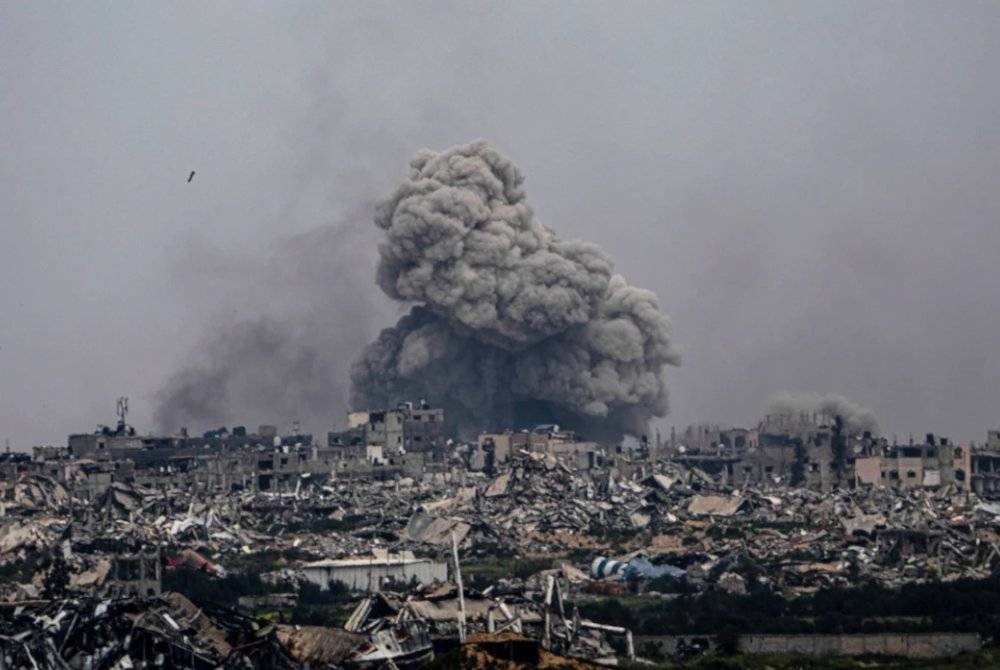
<point>514,324</point>
<point>289,358</point>
<point>461,239</point>
<point>856,418</point>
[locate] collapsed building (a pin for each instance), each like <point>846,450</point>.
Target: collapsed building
<point>377,510</point>
<point>816,451</point>
<point>805,449</point>
<point>984,467</point>
<point>410,427</point>
<point>936,462</point>
<point>403,440</point>
<point>384,444</point>
<point>494,449</point>
<point>811,450</point>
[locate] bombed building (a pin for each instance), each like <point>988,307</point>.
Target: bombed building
<point>397,516</point>
<point>494,449</point>
<point>814,450</point>
<point>492,497</point>
<point>934,463</point>
<point>408,428</point>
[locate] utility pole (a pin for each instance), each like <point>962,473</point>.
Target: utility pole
<point>461,595</point>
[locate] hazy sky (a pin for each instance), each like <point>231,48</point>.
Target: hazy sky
<point>810,188</point>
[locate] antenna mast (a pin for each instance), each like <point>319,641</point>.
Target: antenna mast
<point>122,411</point>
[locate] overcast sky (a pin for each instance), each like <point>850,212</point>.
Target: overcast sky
<point>810,188</point>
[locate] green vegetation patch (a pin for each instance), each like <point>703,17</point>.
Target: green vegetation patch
<point>961,606</point>
<point>985,658</point>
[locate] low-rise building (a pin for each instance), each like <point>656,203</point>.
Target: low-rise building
<point>494,449</point>
<point>368,573</point>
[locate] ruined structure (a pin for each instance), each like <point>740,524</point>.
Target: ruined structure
<point>408,428</point>
<point>369,573</point>
<point>494,449</point>
<point>813,450</point>
<point>935,463</point>
<point>375,509</point>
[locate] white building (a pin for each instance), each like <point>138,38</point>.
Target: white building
<point>367,573</point>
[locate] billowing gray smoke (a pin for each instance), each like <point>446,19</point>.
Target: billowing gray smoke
<point>513,325</point>
<point>857,419</point>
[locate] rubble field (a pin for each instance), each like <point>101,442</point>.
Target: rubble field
<point>543,548</point>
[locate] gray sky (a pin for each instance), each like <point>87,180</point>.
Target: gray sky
<point>810,188</point>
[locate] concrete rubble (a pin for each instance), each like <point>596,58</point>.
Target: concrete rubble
<point>81,557</point>
<point>677,522</point>
<point>168,631</point>
<point>541,506</point>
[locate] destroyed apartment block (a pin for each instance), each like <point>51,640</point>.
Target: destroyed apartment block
<point>496,449</point>
<point>409,428</point>
<point>377,520</point>
<point>816,452</point>
<point>135,574</point>
<point>984,467</point>
<point>807,450</point>
<point>932,464</point>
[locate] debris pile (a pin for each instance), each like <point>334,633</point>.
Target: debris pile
<point>168,631</point>
<point>98,565</point>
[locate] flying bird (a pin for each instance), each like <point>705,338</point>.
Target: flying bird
<point>191,176</point>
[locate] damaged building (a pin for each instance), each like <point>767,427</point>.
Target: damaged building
<point>417,549</point>
<point>813,450</point>
<point>370,573</point>
<point>935,463</point>
<point>494,449</point>
<point>410,427</point>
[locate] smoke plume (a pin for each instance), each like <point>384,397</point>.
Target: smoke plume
<point>512,325</point>
<point>857,419</point>
<point>288,360</point>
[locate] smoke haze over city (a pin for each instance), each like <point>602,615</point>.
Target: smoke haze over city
<point>808,192</point>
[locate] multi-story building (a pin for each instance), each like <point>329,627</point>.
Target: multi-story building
<point>810,450</point>
<point>409,428</point>
<point>494,449</point>
<point>935,463</point>
<point>984,467</point>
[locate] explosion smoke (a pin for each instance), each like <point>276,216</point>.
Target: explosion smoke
<point>857,419</point>
<point>515,325</point>
<point>290,359</point>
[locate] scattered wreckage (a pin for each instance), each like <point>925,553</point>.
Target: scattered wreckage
<point>168,631</point>
<point>85,577</point>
